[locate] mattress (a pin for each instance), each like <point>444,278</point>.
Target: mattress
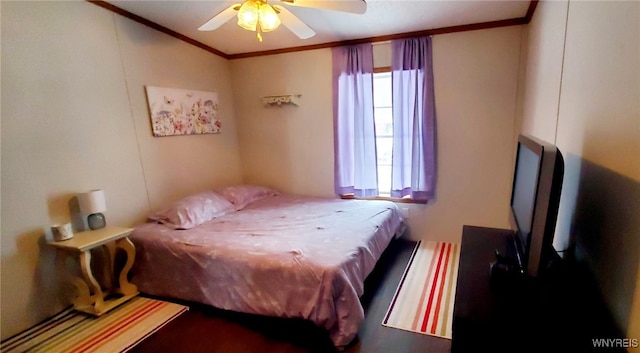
<point>285,256</point>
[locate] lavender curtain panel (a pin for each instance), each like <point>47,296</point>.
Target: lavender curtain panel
<point>354,130</point>
<point>413,165</point>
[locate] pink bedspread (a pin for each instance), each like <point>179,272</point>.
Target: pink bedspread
<point>284,256</point>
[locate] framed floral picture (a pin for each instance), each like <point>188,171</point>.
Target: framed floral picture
<point>183,112</point>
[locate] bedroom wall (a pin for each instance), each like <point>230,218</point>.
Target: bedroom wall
<point>287,147</point>
<point>74,118</point>
<point>581,92</point>
<point>476,77</point>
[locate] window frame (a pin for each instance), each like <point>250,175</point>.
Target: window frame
<point>385,198</point>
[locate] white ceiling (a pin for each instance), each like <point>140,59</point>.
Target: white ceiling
<point>382,18</point>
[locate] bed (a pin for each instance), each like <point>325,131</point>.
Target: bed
<point>275,255</point>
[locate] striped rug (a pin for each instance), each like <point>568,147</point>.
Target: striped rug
<point>423,302</point>
<point>116,331</point>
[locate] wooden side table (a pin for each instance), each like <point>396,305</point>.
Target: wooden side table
<point>92,297</point>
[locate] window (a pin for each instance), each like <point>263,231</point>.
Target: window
<point>384,131</point>
<point>383,118</point>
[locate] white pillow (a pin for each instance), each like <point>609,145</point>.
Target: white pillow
<point>194,210</point>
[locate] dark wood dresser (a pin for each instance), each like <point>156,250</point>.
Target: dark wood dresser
<point>560,311</point>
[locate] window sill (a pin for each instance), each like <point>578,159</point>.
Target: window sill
<point>393,199</point>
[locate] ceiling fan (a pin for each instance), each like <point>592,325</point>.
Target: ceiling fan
<point>261,16</point>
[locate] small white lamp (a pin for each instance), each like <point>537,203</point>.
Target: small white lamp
<point>93,204</point>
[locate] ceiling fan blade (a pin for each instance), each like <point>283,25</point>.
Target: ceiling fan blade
<point>352,6</point>
<point>294,24</point>
<point>219,19</point>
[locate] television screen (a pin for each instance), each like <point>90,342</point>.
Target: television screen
<point>535,198</point>
<point>525,185</point>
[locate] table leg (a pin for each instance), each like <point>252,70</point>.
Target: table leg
<point>83,295</point>
<point>108,268</point>
<point>97,299</point>
<point>125,287</point>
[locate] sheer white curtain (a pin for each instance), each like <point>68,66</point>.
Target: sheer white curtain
<point>354,129</point>
<point>414,145</point>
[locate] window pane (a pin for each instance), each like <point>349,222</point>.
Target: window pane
<point>384,121</point>
<point>382,89</point>
<point>384,146</point>
<point>384,180</point>
<point>384,129</point>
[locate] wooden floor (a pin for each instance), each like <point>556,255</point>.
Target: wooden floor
<point>205,329</point>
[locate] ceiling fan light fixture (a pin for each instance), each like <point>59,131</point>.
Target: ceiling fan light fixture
<point>249,15</point>
<point>258,16</point>
<point>269,19</point>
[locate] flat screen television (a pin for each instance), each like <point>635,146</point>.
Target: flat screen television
<point>535,198</point>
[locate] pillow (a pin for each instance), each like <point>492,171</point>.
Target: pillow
<point>194,210</point>
<point>242,195</point>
